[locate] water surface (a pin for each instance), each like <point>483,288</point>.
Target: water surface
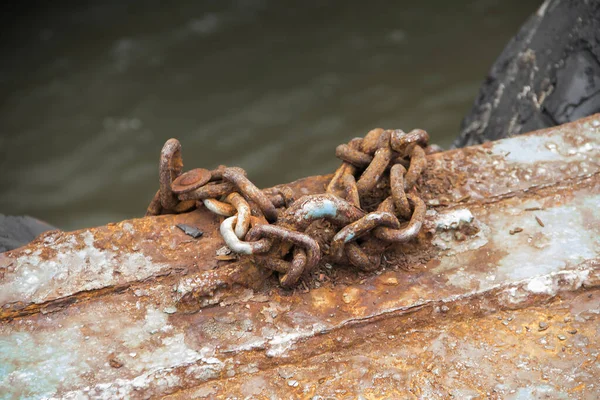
<point>89,91</point>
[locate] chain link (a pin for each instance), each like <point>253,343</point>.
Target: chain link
<point>270,225</point>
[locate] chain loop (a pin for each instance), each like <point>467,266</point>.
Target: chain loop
<point>242,209</point>
<point>351,190</point>
<point>303,260</point>
<point>361,258</point>
<point>336,185</point>
<point>401,141</point>
<point>170,168</point>
<point>154,208</point>
<point>209,191</point>
<point>371,141</point>
<point>280,196</point>
<point>251,192</point>
<point>242,247</point>
<point>418,163</point>
<point>308,209</point>
<point>356,229</point>
<point>374,171</point>
<point>219,208</point>
<point>353,156</point>
<point>411,230</point>
<point>290,271</point>
<point>397,173</point>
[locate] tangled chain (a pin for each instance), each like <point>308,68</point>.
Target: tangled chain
<point>378,173</point>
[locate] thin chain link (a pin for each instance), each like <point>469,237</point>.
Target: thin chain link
<point>270,226</point>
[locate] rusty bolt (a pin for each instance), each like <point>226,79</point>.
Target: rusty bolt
<point>190,180</point>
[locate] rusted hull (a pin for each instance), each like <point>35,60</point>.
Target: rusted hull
<point>497,298</point>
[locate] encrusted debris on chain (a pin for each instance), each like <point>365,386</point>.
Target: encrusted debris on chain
<point>370,203</point>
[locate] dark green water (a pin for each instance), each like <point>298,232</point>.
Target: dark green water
<point>90,91</point>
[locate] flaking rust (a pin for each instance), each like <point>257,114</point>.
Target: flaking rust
<point>456,311</point>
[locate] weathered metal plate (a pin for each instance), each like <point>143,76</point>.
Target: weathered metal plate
<point>139,309</point>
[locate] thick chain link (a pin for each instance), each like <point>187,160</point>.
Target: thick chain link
<point>379,173</point>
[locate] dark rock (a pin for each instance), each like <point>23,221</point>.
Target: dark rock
<point>547,75</point>
<point>17,231</point>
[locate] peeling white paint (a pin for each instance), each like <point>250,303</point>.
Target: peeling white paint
<point>453,219</point>
<point>528,149</point>
<point>446,223</point>
<point>74,268</point>
<point>540,285</point>
<point>550,285</point>
<point>42,367</point>
<point>565,240</point>
<point>531,149</point>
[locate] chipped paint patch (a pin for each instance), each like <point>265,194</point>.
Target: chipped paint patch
<point>77,266</point>
<point>323,209</point>
<point>548,285</point>
<point>528,149</point>
<point>36,368</point>
<point>445,227</point>
<point>565,240</point>
<point>453,219</point>
<point>531,149</point>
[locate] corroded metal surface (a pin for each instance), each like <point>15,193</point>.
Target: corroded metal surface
<point>497,297</point>
<point>548,352</point>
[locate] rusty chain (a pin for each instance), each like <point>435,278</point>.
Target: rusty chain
<point>371,201</point>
